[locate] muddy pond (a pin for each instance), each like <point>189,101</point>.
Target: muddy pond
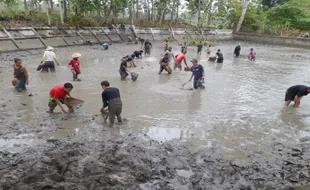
<point>239,118</point>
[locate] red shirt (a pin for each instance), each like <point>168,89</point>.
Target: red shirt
<point>58,92</point>
<point>75,64</point>
<point>180,57</point>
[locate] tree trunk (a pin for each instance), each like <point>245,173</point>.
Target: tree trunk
<point>47,13</point>
<point>172,11</point>
<point>65,11</point>
<point>209,13</point>
<point>25,5</point>
<point>199,12</point>
<point>177,16</point>
<point>52,6</point>
<point>244,9</point>
<point>137,10</point>
<point>61,12</point>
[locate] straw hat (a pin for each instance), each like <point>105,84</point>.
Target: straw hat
<point>49,48</point>
<point>76,55</point>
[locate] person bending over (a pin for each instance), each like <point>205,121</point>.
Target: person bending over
<point>295,93</point>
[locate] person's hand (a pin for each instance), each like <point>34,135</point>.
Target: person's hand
<point>71,110</point>
<point>102,110</point>
<point>63,110</point>
<point>27,82</point>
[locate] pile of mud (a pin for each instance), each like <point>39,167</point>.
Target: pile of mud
<point>140,163</point>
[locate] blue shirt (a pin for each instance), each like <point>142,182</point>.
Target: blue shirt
<point>198,72</point>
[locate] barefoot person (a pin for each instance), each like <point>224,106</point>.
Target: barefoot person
<point>237,50</point>
<point>59,95</point>
<point>74,66</point>
<point>198,74</point>
<point>49,57</point>
<point>295,93</point>
<point>111,98</point>
<point>21,74</point>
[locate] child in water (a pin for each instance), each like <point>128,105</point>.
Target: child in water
<point>74,65</point>
<point>252,55</point>
<point>21,75</point>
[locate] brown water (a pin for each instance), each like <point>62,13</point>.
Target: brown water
<point>241,108</point>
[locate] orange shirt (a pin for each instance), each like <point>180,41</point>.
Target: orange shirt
<point>180,57</point>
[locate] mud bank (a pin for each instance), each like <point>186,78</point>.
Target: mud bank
<point>138,162</point>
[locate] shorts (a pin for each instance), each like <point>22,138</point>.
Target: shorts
<point>52,104</point>
<point>220,60</point>
<point>289,96</point>
<point>177,65</point>
<point>49,65</point>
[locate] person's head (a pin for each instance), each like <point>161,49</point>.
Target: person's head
<point>141,51</point>
<point>17,61</point>
<point>105,84</point>
<point>68,87</point>
<point>195,62</point>
<point>49,48</point>
<point>170,48</point>
<point>251,49</point>
<point>218,50</point>
<point>166,55</point>
<point>308,89</point>
<point>76,56</point>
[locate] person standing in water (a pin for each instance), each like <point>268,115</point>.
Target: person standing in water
<point>208,51</point>
<point>21,74</point>
<point>220,57</point>
<point>237,50</point>
<point>123,68</point>
<point>49,57</point>
<point>295,93</point>
<point>164,64</point>
<point>252,55</point>
<point>147,47</point>
<point>184,47</point>
<point>166,46</point>
<point>178,60</point>
<point>74,65</point>
<point>198,74</point>
<point>199,48</point>
<point>111,98</point>
<point>59,95</point>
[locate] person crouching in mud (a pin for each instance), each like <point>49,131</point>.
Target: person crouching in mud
<point>237,50</point>
<point>147,47</point>
<point>164,64</point>
<point>49,57</point>
<point>105,46</point>
<point>220,57</point>
<point>137,54</point>
<point>198,74</point>
<point>252,55</point>
<point>21,75</point>
<point>111,98</point>
<point>295,93</point>
<point>74,65</point>
<point>123,68</point>
<point>59,95</point>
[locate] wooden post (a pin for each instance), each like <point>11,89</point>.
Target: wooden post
<point>106,34</point>
<point>94,35</point>
<point>64,39</point>
<point>118,33</point>
<point>38,35</point>
<point>12,38</point>
<point>80,36</point>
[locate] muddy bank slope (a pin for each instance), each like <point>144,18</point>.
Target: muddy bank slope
<point>92,160</point>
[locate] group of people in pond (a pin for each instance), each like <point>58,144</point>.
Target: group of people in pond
<point>112,104</point>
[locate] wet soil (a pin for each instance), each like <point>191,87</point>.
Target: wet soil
<point>233,135</point>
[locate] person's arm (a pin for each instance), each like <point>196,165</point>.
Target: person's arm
<point>104,101</point>
<point>55,59</point>
<point>160,61</point>
<point>60,105</point>
<point>185,61</point>
<point>69,95</point>
<point>297,101</point>
<point>26,74</point>
<point>43,58</point>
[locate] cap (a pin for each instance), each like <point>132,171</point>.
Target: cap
<point>194,60</point>
<point>105,83</point>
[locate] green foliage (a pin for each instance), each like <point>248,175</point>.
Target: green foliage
<point>81,21</point>
<point>11,4</point>
<point>197,41</point>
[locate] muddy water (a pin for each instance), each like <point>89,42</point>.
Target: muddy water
<point>240,110</point>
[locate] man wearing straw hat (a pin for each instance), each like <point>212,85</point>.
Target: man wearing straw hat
<point>74,65</point>
<point>47,62</point>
